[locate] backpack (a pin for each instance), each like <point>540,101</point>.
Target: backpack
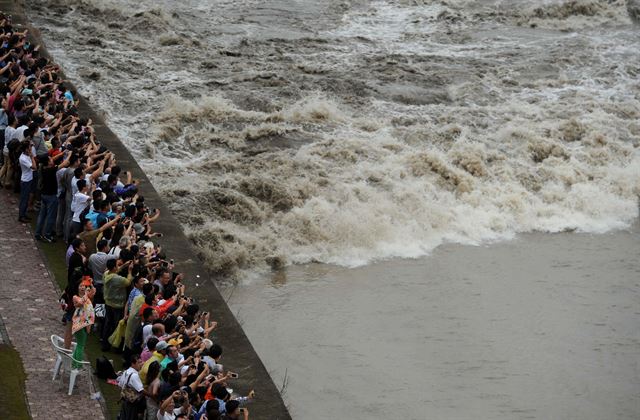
<point>104,369</point>
<point>13,147</point>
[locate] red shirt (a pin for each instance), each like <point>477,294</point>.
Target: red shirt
<point>162,309</point>
<point>54,152</point>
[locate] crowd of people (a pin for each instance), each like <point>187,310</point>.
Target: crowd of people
<point>120,284</point>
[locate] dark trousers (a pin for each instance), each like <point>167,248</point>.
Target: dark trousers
<point>25,191</point>
<point>68,215</point>
<point>17,174</point>
<point>98,299</point>
<point>35,190</point>
<point>111,319</point>
<point>99,296</point>
<point>131,411</point>
<point>47,215</point>
<point>1,147</point>
<point>60,216</point>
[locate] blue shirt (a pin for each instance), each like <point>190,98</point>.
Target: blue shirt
<point>135,292</point>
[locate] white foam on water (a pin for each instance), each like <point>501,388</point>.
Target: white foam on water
<point>387,22</point>
<point>375,131</point>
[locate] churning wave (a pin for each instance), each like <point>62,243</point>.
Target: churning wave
<point>358,131</point>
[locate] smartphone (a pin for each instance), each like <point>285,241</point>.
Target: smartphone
<point>242,410</point>
<point>233,375</point>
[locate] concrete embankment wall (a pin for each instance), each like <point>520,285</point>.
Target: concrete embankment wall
<point>239,354</point>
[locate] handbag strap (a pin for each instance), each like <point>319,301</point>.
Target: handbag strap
<point>128,379</point>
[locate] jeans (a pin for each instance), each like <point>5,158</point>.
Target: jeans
<point>47,215</point>
<point>25,191</point>
<point>112,317</point>
<point>35,190</point>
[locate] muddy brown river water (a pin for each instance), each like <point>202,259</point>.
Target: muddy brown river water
<point>448,190</point>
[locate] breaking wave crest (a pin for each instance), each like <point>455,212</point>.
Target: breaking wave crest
<point>348,131</point>
<point>352,196</point>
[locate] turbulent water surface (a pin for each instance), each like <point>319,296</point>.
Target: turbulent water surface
<point>353,131</point>
<point>349,131</point>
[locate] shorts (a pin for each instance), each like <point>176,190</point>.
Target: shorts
<point>68,315</point>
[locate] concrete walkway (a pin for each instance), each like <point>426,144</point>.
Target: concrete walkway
<point>31,313</point>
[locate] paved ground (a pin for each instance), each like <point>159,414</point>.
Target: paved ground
<point>30,313</point>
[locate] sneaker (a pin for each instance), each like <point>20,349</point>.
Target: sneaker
<point>38,237</point>
<point>25,219</point>
<point>49,239</point>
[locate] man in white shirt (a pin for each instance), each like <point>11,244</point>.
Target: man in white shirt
<point>130,376</point>
<point>131,379</point>
<point>81,201</point>
<point>19,133</point>
<point>27,166</point>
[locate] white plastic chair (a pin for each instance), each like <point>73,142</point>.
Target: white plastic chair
<point>75,368</point>
<point>58,345</point>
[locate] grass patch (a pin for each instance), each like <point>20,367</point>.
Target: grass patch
<point>12,398</point>
<point>55,256</point>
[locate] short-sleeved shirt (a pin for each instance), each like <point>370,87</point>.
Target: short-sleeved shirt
<point>90,237</point>
<point>25,166</point>
<point>78,205</point>
<point>8,136</point>
<point>155,357</point>
<point>147,330</point>
<point>98,265</point>
<point>59,174</point>
<point>54,152</point>
<point>19,133</point>
<point>74,182</point>
<point>131,378</point>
